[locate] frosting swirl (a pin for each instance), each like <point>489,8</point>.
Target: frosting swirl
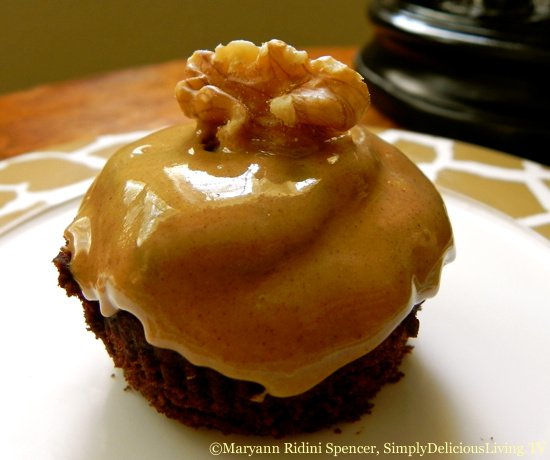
<point>274,268</point>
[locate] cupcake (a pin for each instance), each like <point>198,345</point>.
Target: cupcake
<point>259,270</point>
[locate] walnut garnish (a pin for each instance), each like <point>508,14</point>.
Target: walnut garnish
<point>270,98</point>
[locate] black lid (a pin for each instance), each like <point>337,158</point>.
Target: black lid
<point>474,70</point>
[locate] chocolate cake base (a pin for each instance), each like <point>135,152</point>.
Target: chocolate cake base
<point>202,397</point>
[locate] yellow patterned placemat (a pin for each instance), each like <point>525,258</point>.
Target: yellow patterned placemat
<point>35,182</point>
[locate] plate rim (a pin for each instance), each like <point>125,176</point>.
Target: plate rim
<point>86,155</point>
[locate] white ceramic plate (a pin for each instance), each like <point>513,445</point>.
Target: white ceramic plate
<point>478,378</point>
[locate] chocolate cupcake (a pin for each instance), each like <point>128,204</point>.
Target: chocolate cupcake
<point>258,271</point>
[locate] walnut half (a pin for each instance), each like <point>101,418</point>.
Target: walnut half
<point>269,98</point>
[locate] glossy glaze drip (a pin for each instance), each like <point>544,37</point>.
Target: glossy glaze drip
<point>269,268</point>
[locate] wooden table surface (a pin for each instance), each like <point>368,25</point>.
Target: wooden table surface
<point>132,99</point>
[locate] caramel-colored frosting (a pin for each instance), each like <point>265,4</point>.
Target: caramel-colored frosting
<point>251,256</point>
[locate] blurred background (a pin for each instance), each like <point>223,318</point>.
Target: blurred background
<point>44,41</point>
<point>430,65</point>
